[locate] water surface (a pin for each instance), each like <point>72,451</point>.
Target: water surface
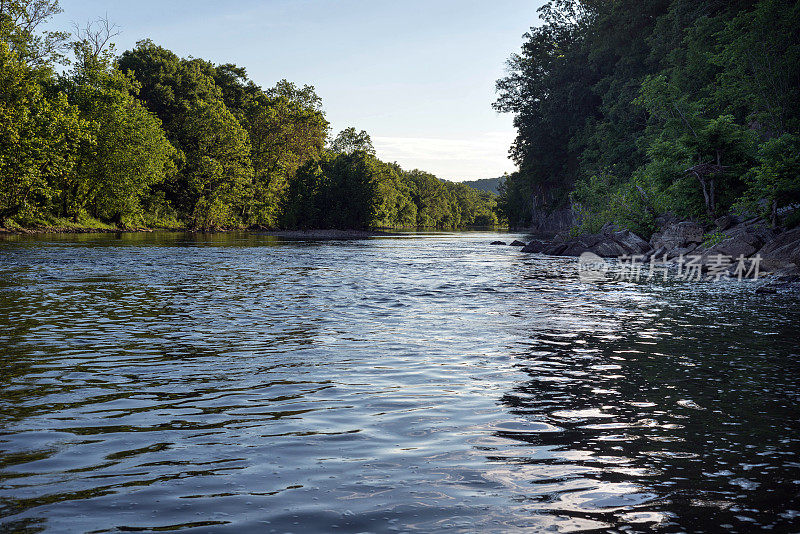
<point>243,383</point>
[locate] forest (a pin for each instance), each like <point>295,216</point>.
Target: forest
<point>149,139</point>
<point>630,109</point>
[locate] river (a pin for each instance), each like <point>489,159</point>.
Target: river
<point>422,383</point>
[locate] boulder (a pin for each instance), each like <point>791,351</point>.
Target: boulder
<point>681,251</point>
<point>726,221</point>
<point>787,279</point>
<point>781,252</point>
<point>744,239</point>
<point>534,246</point>
<point>611,245</point>
<point>678,235</point>
<point>759,230</point>
<point>744,244</point>
<point>574,248</point>
<point>658,254</point>
<point>517,243</point>
<point>554,249</point>
<point>632,242</point>
<point>610,228</point>
<point>497,243</point>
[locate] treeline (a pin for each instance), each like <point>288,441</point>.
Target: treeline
<point>628,109</point>
<point>147,138</point>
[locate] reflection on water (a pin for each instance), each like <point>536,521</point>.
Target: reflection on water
<point>237,383</point>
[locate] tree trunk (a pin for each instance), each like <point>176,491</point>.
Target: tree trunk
<point>774,214</point>
<point>706,196</point>
<point>712,198</point>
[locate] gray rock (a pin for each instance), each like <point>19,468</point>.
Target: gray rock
<point>555,249</point>
<point>610,228</point>
<point>781,252</point>
<point>497,243</point>
<point>658,254</point>
<point>726,221</point>
<point>632,242</point>
<point>612,245</point>
<point>744,244</point>
<point>785,280</point>
<point>678,235</point>
<point>517,243</point>
<point>758,230</point>
<point>535,246</point>
<point>681,251</point>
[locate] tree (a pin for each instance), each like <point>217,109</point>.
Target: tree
<point>20,22</point>
<point>758,56</point>
<point>287,130</point>
<point>39,137</point>
<point>614,98</point>
<point>130,153</point>
<point>349,141</point>
<point>549,89</point>
<point>213,149</point>
<point>775,182</point>
<point>217,169</point>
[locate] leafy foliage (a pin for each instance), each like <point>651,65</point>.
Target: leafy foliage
<point>40,136</point>
<point>615,101</point>
<point>151,138</point>
<point>129,153</point>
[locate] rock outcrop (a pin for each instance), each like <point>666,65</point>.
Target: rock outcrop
<point>729,236</point>
<point>785,280</point>
<point>744,239</point>
<point>609,244</point>
<point>781,252</point>
<point>535,246</point>
<point>677,236</point>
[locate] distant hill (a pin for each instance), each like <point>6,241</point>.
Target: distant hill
<point>491,185</point>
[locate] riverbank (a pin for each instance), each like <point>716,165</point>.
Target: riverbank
<point>723,246</point>
<point>84,230</point>
<point>319,235</point>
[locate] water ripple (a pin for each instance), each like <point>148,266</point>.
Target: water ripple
<point>246,384</point>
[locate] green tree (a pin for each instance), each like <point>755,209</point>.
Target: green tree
<point>130,153</point>
<point>213,183</point>
<point>349,141</point>
<point>287,130</point>
<point>775,181</point>
<point>39,137</point>
<point>20,28</point>
<point>218,171</point>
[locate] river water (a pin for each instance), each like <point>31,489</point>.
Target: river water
<point>425,383</point>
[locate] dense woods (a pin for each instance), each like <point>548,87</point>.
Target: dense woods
<point>630,109</point>
<point>146,138</point>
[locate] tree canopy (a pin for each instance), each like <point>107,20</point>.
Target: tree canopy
<point>147,138</point>
<point>614,101</point>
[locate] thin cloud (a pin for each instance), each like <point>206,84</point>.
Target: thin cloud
<point>454,159</point>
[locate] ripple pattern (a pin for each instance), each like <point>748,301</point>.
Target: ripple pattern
<point>241,383</point>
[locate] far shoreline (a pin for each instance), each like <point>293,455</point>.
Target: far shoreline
<point>315,234</point>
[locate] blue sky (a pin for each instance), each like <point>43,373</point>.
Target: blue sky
<point>417,75</point>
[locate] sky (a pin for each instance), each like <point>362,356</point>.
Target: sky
<point>417,75</point>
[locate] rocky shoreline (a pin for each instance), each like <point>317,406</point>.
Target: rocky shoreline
<point>776,252</point>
